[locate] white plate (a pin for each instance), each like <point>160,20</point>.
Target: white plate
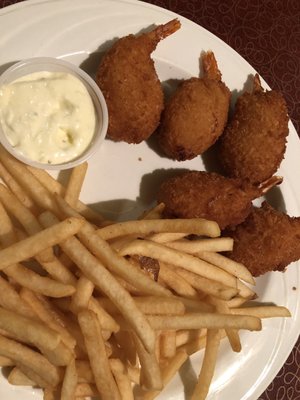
<point>121,178</point>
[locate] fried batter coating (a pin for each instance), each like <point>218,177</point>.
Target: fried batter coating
<point>196,114</point>
<point>131,87</point>
<point>267,240</point>
<point>253,144</point>
<point>200,194</point>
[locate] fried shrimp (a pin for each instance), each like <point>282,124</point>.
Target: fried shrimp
<point>267,240</point>
<point>200,194</point>
<point>131,86</point>
<point>196,114</point>
<point>253,144</point>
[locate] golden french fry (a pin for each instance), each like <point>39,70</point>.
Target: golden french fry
<point>262,311</point>
<point>46,313</point>
<point>168,373</point>
<point>149,305</point>
<point>84,390</point>
<point>97,355</point>
<point>28,181</point>
<point>199,245</point>
<point>195,226</point>
<point>233,267</point>
<point>168,344</point>
<point>207,286</point>
<point>6,362</point>
<point>82,296</point>
<point>178,284</point>
<point>55,187</point>
<point>48,394</point>
<point>11,300</point>
<point>165,237</point>
<point>17,189</point>
<point>102,278</point>
<point>204,320</point>
<point>122,379</point>
<point>154,213</point>
<point>75,183</point>
<point>116,264</point>
<point>208,365</point>
<point>179,259</point>
<point>184,336</point>
<point>28,330</point>
<point>27,357</point>
<point>18,378</point>
<point>31,246</point>
<point>150,373</point>
<point>69,383</point>
<point>232,334</point>
<point>37,283</point>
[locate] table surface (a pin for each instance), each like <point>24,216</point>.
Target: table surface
<point>267,34</point>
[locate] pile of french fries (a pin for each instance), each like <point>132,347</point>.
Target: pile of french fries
<point>81,315</point>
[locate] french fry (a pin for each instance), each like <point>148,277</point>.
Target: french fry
<point>96,351</point>
<point>6,362</point>
<point>149,305</point>
<point>208,366</point>
<point>168,372</point>
<point>34,244</point>
<point>199,245</point>
<point>150,373</point>
<point>168,344</point>
<point>262,311</point>
<point>28,330</point>
<point>195,226</point>
<point>232,334</point>
<point>165,237</point>
<point>82,296</point>
<point>48,394</point>
<point>233,267</point>
<point>179,259</point>
<point>69,383</point>
<point>28,181</point>
<point>184,336</point>
<point>207,286</point>
<point>54,187</point>
<point>116,264</point>
<point>11,300</point>
<point>102,278</point>
<point>178,284</point>
<point>75,183</point>
<point>24,356</point>
<point>37,283</point>
<point>154,213</point>
<point>84,390</point>
<point>48,315</point>
<point>205,320</point>
<point>122,379</point>
<point>18,378</point>
<point>17,189</point>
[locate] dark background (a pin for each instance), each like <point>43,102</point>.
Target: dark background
<point>267,34</point>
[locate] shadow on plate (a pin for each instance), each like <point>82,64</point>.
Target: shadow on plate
<point>151,182</point>
<point>188,378</point>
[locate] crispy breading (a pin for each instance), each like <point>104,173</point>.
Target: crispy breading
<point>200,194</point>
<point>268,240</point>
<point>253,144</point>
<point>131,87</point>
<point>196,114</point>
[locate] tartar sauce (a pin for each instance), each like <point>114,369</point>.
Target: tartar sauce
<point>48,117</point>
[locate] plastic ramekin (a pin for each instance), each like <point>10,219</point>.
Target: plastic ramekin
<point>39,64</point>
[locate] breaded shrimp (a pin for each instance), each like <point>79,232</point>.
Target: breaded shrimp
<point>200,194</point>
<point>267,240</point>
<point>253,144</point>
<point>196,114</point>
<point>131,86</point>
